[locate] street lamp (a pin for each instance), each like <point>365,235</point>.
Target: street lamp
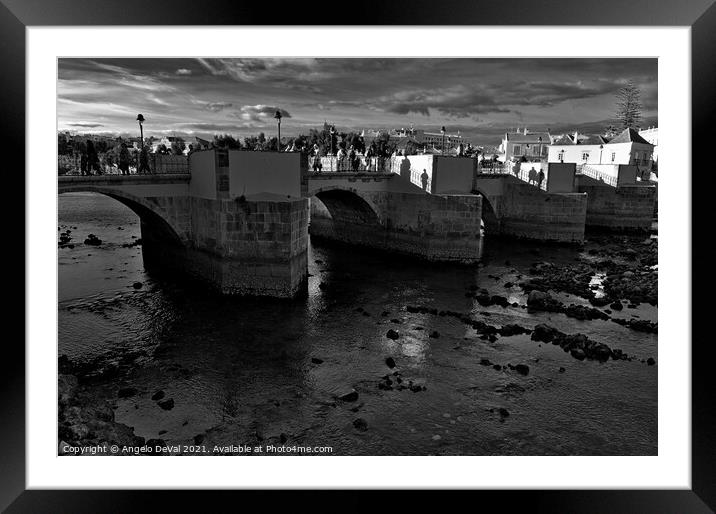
<point>140,119</point>
<point>442,147</point>
<point>332,132</point>
<point>600,153</point>
<point>278,119</point>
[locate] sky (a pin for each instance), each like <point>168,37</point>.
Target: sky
<point>479,98</point>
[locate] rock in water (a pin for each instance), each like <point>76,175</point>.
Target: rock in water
<point>360,424</point>
<point>522,369</point>
<point>137,285</point>
<point>166,404</point>
<point>434,334</point>
<point>349,397</point>
<point>390,362</point>
<point>392,334</point>
<point>158,395</point>
<point>316,360</point>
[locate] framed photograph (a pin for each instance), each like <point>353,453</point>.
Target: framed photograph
<point>425,250</point>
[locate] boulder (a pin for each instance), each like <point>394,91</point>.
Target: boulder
<point>350,396</point>
<point>522,369</point>
<point>392,334</point>
<point>166,404</point>
<point>360,424</point>
<point>390,362</point>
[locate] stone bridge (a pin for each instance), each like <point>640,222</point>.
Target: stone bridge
<point>239,220</point>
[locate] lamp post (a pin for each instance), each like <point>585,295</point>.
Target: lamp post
<point>278,117</point>
<point>332,132</point>
<point>140,119</point>
<point>442,147</point>
<point>600,153</point>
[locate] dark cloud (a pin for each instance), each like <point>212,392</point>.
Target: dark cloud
<point>484,95</point>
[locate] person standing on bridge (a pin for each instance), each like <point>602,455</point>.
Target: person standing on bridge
<point>317,159</point>
<point>92,159</point>
<point>424,179</point>
<point>144,161</point>
<point>124,160</point>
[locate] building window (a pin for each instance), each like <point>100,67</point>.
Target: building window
<point>614,156</point>
<point>585,156</point>
<point>517,149</point>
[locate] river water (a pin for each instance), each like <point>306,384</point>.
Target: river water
<point>242,371</point>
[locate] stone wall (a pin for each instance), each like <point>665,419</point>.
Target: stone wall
<point>624,208</point>
<point>247,247</point>
<point>524,211</point>
<point>437,228</point>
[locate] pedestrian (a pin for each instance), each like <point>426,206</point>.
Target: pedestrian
<point>424,179</point>
<point>144,161</point>
<point>83,162</point>
<point>92,159</point>
<point>341,155</point>
<point>460,150</point>
<point>124,160</point>
<point>369,157</point>
<point>317,166</point>
<point>540,176</point>
<point>353,159</point>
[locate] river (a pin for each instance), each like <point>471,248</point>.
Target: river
<point>241,371</point>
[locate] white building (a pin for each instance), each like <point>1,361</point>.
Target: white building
<point>626,148</point>
<point>530,145</point>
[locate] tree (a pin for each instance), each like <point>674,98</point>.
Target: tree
<point>628,113</point>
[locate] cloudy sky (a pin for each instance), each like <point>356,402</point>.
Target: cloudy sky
<point>481,98</point>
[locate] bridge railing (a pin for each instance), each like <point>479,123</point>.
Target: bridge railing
<point>107,164</point>
<point>588,171</point>
<point>331,164</point>
<point>507,168</point>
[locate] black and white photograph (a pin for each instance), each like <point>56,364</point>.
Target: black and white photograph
<point>357,256</point>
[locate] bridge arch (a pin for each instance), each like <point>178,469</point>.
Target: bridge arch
<point>490,219</point>
<point>347,205</point>
<point>155,221</point>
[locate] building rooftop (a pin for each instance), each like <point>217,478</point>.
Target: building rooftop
<point>528,137</point>
<point>629,135</point>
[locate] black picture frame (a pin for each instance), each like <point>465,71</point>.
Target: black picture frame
<point>700,15</point>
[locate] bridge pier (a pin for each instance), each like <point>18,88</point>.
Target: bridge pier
<point>435,228</point>
<point>622,208</point>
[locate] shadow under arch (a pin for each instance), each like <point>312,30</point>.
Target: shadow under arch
<point>345,206</point>
<point>152,218</point>
<point>163,250</point>
<point>489,219</point>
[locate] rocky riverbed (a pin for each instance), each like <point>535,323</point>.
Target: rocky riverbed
<point>540,350</point>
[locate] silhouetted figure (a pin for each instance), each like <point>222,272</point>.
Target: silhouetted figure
<point>353,159</point>
<point>424,179</point>
<point>540,178</point>
<point>516,169</point>
<point>405,168</point>
<point>92,159</point>
<point>83,162</point>
<point>144,161</point>
<point>124,159</point>
<point>317,166</point>
<point>532,175</point>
